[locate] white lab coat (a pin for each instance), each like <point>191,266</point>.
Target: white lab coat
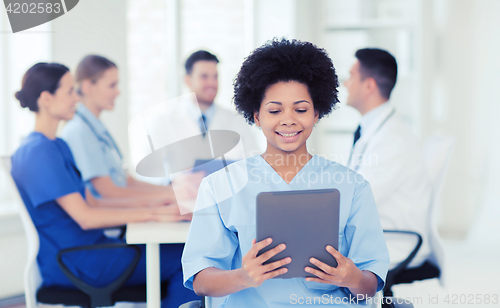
<point>389,156</point>
<point>178,119</point>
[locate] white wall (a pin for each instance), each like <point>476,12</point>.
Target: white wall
<point>276,18</point>
<point>149,54</point>
<point>462,63</point>
<point>485,124</point>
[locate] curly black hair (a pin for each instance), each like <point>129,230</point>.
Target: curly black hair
<point>282,60</point>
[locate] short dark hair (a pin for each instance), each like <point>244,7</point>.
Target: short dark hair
<point>379,65</point>
<point>39,78</point>
<point>91,67</point>
<point>200,55</point>
<point>281,60</point>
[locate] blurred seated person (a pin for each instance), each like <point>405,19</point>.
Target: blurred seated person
<point>388,154</point>
<point>65,213</point>
<point>96,153</point>
<point>196,117</point>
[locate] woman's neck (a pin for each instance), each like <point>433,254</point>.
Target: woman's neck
<point>92,107</point>
<point>286,164</point>
<point>46,125</point>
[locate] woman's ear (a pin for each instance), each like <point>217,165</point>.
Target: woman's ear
<point>316,116</point>
<point>44,100</point>
<point>86,87</point>
<point>256,118</point>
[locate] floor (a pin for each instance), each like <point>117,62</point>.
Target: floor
<point>473,266</point>
<point>472,279</point>
<point>13,302</point>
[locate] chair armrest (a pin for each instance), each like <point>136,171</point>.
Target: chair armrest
<point>401,266</point>
<point>121,229</point>
<point>100,296</point>
<point>191,304</point>
<point>398,302</point>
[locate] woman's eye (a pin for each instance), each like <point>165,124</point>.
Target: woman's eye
<point>273,111</point>
<point>301,110</point>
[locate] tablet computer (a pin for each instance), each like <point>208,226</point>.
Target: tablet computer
<point>306,221</point>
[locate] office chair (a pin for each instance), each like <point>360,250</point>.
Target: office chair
<point>84,295</point>
<point>437,153</point>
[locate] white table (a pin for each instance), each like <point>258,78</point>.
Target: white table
<point>153,234</point>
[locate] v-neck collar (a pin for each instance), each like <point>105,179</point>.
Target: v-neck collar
<point>87,115</point>
<point>278,181</point>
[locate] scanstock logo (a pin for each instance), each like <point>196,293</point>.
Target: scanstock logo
<point>26,14</point>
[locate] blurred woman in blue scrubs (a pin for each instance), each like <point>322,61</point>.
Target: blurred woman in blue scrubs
<point>284,87</point>
<point>65,214</point>
<point>96,153</point>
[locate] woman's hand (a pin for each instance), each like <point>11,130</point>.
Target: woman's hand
<point>185,189</point>
<point>346,274</point>
<point>157,202</point>
<point>253,273</point>
<point>186,185</point>
<point>167,213</point>
<point>164,207</point>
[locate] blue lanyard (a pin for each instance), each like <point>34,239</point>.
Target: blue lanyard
<point>114,149</point>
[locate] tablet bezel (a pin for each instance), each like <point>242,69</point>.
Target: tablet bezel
<point>283,216</point>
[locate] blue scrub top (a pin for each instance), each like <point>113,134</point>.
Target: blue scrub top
<point>96,153</point>
<point>224,226</point>
<point>44,170</point>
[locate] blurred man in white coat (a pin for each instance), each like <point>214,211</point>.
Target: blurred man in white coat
<point>184,129</point>
<point>387,154</point>
<point>202,80</point>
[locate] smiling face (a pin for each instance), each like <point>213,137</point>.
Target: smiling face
<point>287,117</point>
<point>203,81</point>
<point>61,104</point>
<point>103,92</point>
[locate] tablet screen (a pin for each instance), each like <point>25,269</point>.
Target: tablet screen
<point>306,221</point>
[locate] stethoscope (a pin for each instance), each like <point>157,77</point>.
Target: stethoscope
<point>117,155</point>
<point>366,143</point>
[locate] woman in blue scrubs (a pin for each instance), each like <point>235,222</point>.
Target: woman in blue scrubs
<point>96,153</point>
<point>284,87</point>
<point>65,214</point>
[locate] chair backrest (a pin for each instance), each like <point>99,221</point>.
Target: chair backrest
<point>437,154</point>
<point>32,277</point>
